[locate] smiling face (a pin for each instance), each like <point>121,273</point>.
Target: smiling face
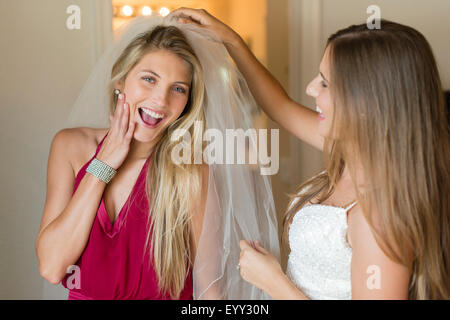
<point>319,88</point>
<point>157,90</point>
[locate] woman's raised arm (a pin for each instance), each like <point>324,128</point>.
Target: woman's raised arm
<point>299,120</point>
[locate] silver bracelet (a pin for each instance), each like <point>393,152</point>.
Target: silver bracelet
<point>101,170</point>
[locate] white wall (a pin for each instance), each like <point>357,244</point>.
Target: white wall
<point>431,18</point>
<point>43,66</point>
<point>277,43</point>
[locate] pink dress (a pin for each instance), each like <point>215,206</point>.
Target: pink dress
<point>113,264</point>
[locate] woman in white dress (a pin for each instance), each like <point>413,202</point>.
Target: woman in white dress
<point>375,224</point>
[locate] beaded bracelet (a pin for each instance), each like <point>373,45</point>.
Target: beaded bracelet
<point>101,170</point>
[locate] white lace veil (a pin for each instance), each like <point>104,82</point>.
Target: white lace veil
<point>239,201</point>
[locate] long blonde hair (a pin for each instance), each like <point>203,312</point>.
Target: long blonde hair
<point>170,188</point>
<point>389,105</point>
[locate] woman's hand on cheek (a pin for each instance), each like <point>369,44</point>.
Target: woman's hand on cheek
<point>258,266</point>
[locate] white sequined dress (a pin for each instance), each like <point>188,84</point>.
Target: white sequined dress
<point>320,257</point>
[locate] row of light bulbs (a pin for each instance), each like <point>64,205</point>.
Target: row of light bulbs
<point>130,11</point>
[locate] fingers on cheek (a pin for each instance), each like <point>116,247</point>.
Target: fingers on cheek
<point>242,264</point>
<point>242,272</point>
<point>241,261</point>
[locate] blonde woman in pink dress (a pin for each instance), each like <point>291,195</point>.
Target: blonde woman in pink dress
<point>121,210</point>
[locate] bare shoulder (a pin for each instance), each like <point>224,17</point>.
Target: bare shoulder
<point>354,220</point>
<point>79,144</point>
<point>359,229</point>
<point>371,267</point>
<point>69,148</point>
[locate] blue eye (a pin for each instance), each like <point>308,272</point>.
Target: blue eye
<point>180,90</point>
<point>149,79</point>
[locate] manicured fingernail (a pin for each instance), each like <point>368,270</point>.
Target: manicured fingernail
<point>125,105</point>
<point>120,96</point>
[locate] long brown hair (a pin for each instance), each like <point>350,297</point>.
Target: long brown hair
<point>171,188</point>
<point>389,106</point>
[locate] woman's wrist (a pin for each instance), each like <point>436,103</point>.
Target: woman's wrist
<point>105,160</point>
<point>236,47</point>
<point>231,39</point>
<point>284,289</point>
<point>276,284</point>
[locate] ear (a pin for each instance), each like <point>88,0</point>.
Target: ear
<point>119,85</point>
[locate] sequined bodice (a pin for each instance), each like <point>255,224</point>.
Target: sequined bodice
<point>319,262</point>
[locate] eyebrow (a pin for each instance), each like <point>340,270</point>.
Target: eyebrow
<point>157,75</point>
<point>323,76</point>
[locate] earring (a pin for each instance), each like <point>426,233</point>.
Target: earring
<point>116,92</point>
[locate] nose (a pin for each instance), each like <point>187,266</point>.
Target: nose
<point>311,89</point>
<point>160,96</point>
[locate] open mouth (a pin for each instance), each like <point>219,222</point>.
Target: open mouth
<point>150,118</point>
<point>320,115</point>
